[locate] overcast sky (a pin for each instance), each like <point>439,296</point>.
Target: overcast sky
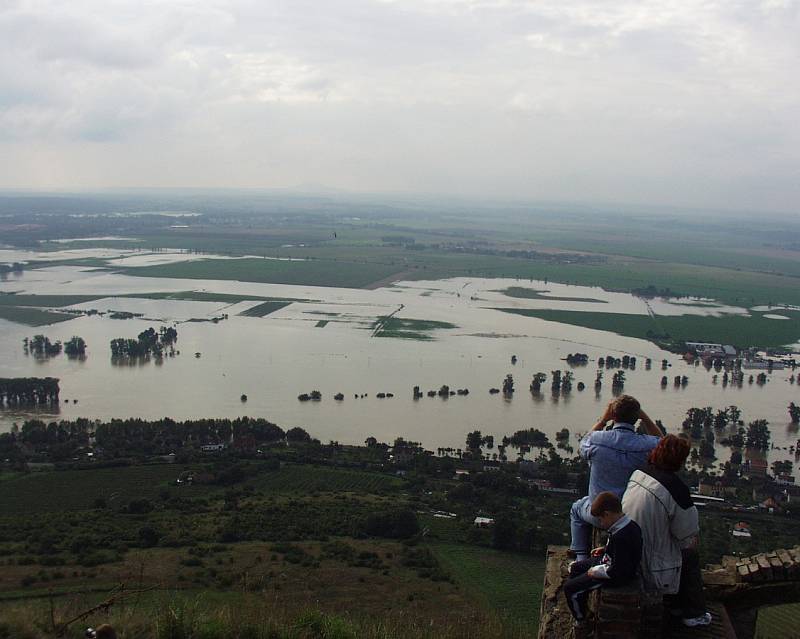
<point>694,103</point>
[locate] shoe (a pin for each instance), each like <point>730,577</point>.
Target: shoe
<point>695,622</point>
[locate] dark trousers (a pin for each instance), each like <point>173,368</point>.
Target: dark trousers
<point>579,585</point>
<point>690,598</point>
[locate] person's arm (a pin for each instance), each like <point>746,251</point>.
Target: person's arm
<point>626,558</point>
<point>649,425</point>
<point>684,526</point>
<point>604,419</point>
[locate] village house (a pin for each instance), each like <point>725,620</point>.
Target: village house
<point>720,487</point>
<point>212,448</point>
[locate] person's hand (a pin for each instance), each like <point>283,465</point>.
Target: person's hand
<point>598,552</point>
<point>692,543</point>
<point>594,572</point>
<point>608,414</point>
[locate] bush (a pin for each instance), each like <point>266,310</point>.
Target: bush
<point>148,537</point>
<point>97,558</point>
<point>139,507</point>
<point>396,524</point>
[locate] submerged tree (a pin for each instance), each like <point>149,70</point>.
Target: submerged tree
<point>536,383</point>
<point>758,435</point>
<point>794,413</point>
<point>75,347</point>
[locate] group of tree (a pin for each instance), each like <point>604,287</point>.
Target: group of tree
<point>536,383</point>
<point>618,382</point>
<point>75,347</point>
<point>524,440</point>
<point>609,361</point>
<point>28,391</point>
<point>41,346</point>
<point>577,359</point>
<point>794,413</point>
<point>476,440</point>
<point>149,342</point>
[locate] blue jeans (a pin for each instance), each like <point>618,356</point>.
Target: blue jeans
<point>581,522</point>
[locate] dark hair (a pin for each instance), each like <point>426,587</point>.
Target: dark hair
<point>606,502</point>
<point>105,632</point>
<point>625,409</point>
<point>670,453</point>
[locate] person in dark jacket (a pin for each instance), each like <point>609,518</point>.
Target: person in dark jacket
<point>613,565</point>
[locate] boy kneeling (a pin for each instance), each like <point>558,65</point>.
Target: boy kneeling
<point>614,565</point>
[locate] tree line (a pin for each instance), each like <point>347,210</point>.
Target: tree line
<point>28,391</point>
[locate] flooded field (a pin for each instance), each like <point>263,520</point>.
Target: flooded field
<point>328,342</point>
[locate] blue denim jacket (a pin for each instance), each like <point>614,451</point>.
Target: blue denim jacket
<point>613,456</point>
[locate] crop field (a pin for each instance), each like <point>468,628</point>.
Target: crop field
<point>779,622</point>
<point>407,328</point>
<point>728,329</point>
<point>264,309</point>
<point>32,316</point>
<point>312,272</point>
<point>51,491</point>
<point>307,479</point>
<point>509,583</point>
<point>43,301</point>
<point>527,293</point>
<point>203,296</point>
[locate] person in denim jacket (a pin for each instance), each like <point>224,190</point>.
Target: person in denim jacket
<point>613,455</point>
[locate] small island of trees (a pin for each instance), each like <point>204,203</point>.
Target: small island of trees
<point>41,346</point>
<point>75,347</point>
<point>149,343</point>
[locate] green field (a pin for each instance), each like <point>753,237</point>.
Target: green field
<point>508,583</point>
<point>302,479</point>
<point>779,622</point>
<point>264,309</point>
<point>202,296</point>
<point>346,274</point>
<point>728,329</point>
<point>52,491</point>
<point>530,294</point>
<point>32,316</point>
<point>407,328</point>
<point>43,301</point>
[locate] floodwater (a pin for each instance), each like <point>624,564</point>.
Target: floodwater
<point>275,358</point>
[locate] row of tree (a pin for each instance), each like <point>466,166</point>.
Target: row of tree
<point>41,346</point>
<point>28,391</point>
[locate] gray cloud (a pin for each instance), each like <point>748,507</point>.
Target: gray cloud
<point>670,102</point>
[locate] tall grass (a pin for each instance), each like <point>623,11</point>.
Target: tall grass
<point>177,617</point>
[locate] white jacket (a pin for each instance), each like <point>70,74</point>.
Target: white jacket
<point>662,506</point>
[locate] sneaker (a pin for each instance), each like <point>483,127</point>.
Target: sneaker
<point>694,622</point>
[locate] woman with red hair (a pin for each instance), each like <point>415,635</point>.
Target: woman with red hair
<point>661,504</point>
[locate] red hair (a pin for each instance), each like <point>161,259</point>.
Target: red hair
<point>670,453</point>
